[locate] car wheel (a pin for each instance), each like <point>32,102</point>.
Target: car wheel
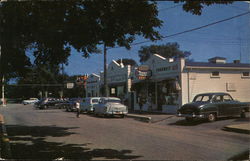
<point>211,117</point>
<point>189,119</point>
<point>243,114</point>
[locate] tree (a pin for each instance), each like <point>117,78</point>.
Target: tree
<point>195,7</point>
<point>169,50</point>
<point>52,28</point>
<point>126,61</point>
<point>118,22</point>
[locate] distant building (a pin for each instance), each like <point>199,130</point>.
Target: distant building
<point>93,85</point>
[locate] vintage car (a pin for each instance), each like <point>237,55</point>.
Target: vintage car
<point>87,104</point>
<point>211,106</point>
<point>110,106</point>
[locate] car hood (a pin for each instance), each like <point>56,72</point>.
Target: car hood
<point>194,104</point>
<point>193,107</point>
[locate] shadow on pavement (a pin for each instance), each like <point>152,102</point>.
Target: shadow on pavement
<point>29,142</point>
<point>188,123</point>
<point>201,121</point>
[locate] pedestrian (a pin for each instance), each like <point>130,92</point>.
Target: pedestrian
<point>140,104</point>
<point>77,104</point>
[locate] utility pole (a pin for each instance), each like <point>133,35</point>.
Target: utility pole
<point>105,71</point>
<point>3,98</point>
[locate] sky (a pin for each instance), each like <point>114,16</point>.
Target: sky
<point>229,39</point>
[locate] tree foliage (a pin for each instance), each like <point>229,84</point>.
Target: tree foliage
<point>51,28</point>
<point>195,7</point>
<point>169,50</point>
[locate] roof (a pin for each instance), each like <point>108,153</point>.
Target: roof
<point>205,64</point>
<point>213,93</point>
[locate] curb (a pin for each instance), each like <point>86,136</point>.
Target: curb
<point>140,118</point>
<point>234,128</point>
<point>5,151</point>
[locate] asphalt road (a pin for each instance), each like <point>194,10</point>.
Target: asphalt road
<point>53,133</point>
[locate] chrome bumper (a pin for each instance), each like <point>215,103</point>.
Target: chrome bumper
<point>191,115</point>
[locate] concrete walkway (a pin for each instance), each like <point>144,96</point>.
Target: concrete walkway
<point>150,117</point>
<point>157,117</point>
<point>240,128</point>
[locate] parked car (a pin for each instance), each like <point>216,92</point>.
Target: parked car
<point>47,103</point>
<point>87,104</point>
<point>212,106</point>
<point>30,101</point>
<point>70,106</point>
<point>110,106</point>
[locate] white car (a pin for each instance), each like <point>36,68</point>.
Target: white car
<point>30,101</point>
<point>87,104</point>
<point>110,106</point>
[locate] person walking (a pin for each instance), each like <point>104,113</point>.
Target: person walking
<point>77,108</point>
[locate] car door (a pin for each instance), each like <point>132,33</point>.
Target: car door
<point>218,102</point>
<point>233,106</point>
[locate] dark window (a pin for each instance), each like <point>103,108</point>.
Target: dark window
<point>215,74</point>
<point>245,74</point>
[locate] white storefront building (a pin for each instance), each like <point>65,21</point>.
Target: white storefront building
<point>93,85</point>
<point>166,84</point>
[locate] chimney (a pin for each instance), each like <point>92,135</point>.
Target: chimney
<point>236,61</point>
<point>217,60</point>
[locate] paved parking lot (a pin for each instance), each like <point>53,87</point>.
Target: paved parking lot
<point>54,133</point>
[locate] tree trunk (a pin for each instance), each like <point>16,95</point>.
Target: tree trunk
<point>105,72</point>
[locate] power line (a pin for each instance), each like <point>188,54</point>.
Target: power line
<point>190,30</point>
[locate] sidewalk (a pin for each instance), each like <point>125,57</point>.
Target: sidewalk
<point>150,117</point>
<point>240,128</point>
<point>154,117</point>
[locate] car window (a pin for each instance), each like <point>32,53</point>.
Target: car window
<point>197,99</point>
<point>217,99</point>
<point>202,98</point>
<point>95,100</point>
<point>227,98</point>
<point>205,98</point>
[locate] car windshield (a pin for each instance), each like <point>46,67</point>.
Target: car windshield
<point>202,98</point>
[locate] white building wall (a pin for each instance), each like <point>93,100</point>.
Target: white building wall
<point>200,81</point>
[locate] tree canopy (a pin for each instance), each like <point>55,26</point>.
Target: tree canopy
<point>169,50</point>
<point>51,28</point>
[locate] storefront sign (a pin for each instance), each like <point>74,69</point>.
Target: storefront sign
<point>143,72</point>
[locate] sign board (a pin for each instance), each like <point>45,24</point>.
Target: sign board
<point>143,72</point>
<point>70,85</point>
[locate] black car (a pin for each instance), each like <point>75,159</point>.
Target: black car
<point>211,106</point>
<point>46,103</point>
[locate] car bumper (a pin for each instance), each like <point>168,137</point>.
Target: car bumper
<point>191,115</point>
<point>117,113</point>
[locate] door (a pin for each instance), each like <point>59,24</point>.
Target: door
<point>232,106</point>
<point>218,102</point>
<point>132,101</point>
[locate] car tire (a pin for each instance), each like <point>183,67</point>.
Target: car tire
<point>243,114</point>
<point>189,119</point>
<point>211,117</point>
